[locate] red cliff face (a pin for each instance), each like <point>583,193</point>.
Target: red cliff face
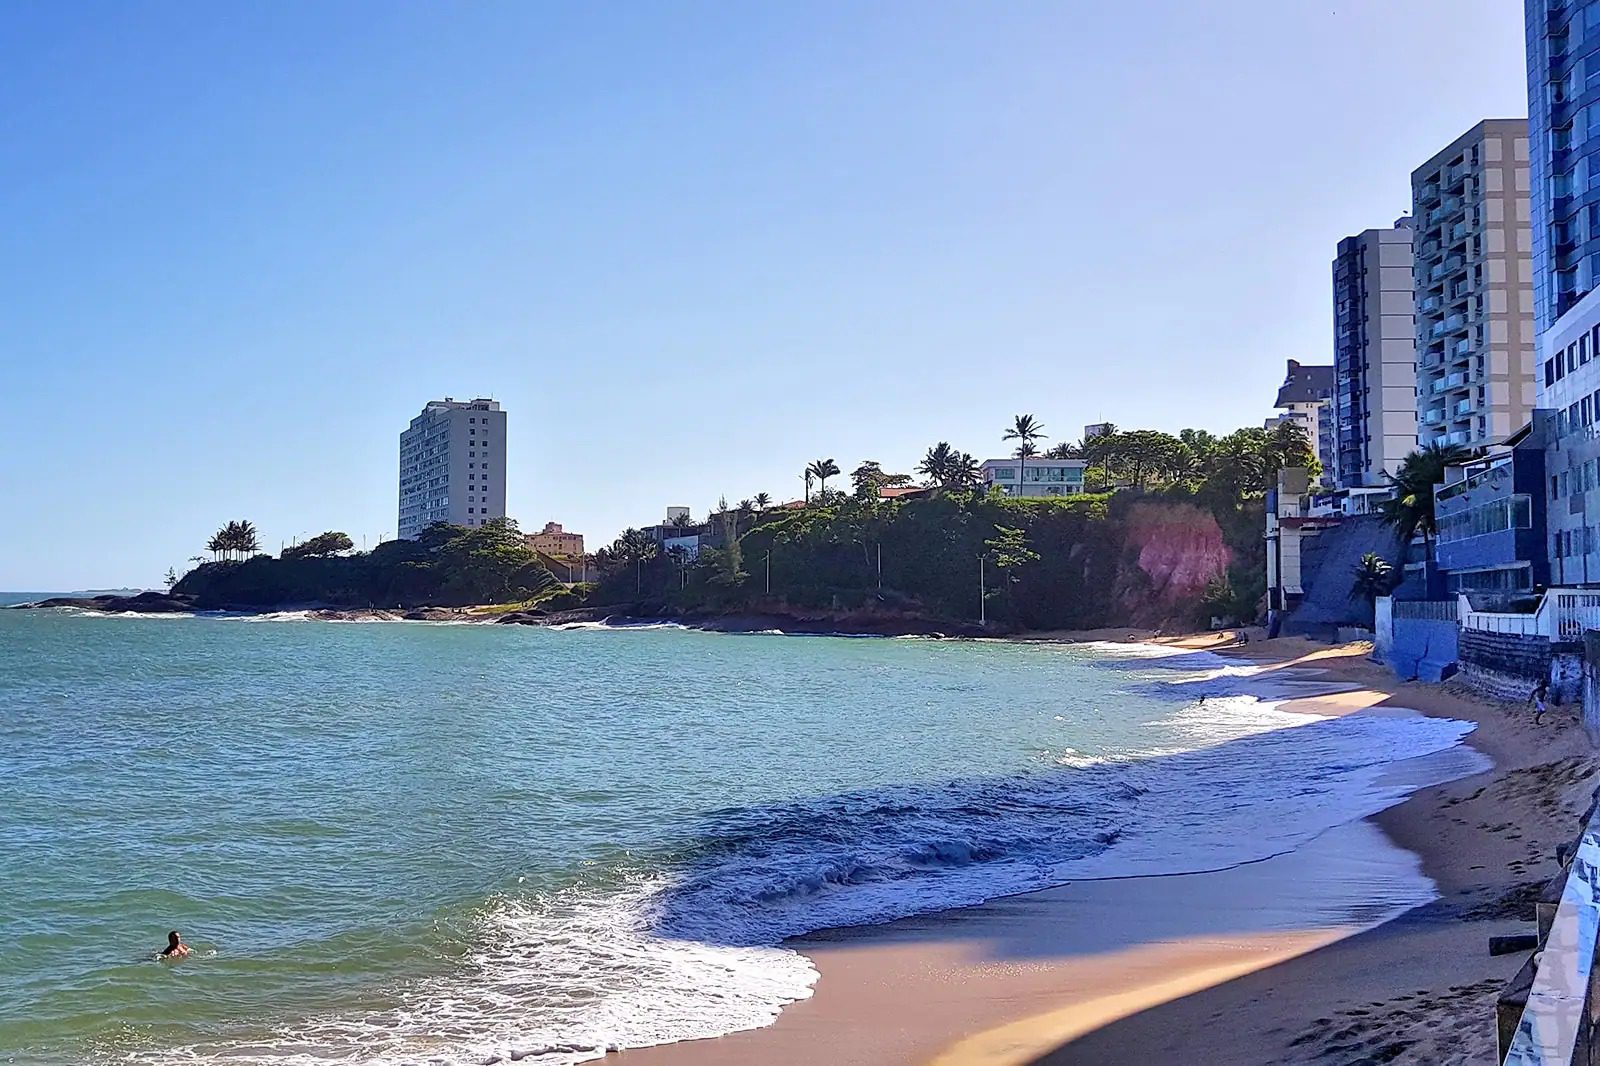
<point>1171,553</point>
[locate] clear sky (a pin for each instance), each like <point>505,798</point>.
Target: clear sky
<point>689,246</point>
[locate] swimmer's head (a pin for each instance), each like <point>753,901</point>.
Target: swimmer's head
<point>173,939</point>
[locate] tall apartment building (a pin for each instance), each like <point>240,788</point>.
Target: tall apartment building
<point>1563,51</point>
<point>1563,38</point>
<point>1473,279</point>
<point>1306,398</point>
<point>1374,356</point>
<point>453,465</point>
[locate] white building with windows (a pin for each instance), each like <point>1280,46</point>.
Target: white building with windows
<point>1569,387</point>
<point>1036,477</point>
<point>453,465</point>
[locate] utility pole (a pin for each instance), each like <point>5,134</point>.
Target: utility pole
<point>880,566</point>
<point>769,573</point>
<point>983,597</point>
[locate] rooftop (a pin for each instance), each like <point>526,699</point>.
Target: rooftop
<point>1305,384</point>
<point>1037,460</point>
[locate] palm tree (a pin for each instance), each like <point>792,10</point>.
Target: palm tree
<point>822,470</point>
<point>217,544</point>
<point>1025,430</point>
<point>964,471</point>
<point>1373,577</point>
<point>1411,510</point>
<point>246,542</point>
<point>762,501</point>
<point>936,465</point>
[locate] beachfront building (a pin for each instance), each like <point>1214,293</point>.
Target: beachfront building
<point>1374,413</point>
<point>1036,477</point>
<point>1098,429</point>
<point>553,540</point>
<point>453,465</point>
<point>1491,516</point>
<point>1305,398</point>
<point>1569,387</point>
<point>1563,51</point>
<point>1473,280</point>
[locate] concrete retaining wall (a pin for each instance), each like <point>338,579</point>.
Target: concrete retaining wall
<point>1591,685</point>
<point>1424,649</point>
<point>1504,666</point>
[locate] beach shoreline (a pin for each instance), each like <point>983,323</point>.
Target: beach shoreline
<point>1141,970</point>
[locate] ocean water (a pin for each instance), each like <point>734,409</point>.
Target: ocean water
<point>408,843</point>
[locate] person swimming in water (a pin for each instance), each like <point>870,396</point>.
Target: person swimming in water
<point>176,948</point>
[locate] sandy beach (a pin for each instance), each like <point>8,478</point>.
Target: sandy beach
<point>1271,962</point>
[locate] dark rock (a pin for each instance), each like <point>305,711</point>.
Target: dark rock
<point>143,603</point>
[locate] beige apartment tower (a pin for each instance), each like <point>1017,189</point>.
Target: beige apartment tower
<point>453,465</point>
<point>1473,278</point>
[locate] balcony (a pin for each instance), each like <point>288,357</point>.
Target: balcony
<point>1453,175</point>
<point>1462,348</point>
<point>1461,229</point>
<point>1429,249</point>
<point>1463,407</point>
<point>1430,304</point>
<point>1433,416</point>
<point>1428,193</point>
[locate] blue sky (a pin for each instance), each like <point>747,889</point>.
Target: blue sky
<point>689,246</point>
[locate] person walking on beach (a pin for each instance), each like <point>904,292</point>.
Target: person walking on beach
<point>176,948</point>
<point>1540,692</point>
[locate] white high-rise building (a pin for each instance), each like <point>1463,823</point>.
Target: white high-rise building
<point>453,465</point>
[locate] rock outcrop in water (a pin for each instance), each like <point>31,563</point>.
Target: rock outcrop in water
<point>142,603</point>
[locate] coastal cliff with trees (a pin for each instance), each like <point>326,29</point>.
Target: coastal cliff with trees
<point>1166,532</point>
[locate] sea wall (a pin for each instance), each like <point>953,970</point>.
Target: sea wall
<point>1509,666</point>
<point>1417,639</point>
<point>1504,666</point>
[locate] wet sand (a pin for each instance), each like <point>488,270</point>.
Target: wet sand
<point>1276,961</point>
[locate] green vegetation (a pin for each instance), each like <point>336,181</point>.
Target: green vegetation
<point>1373,577</point>
<point>1170,533</point>
<point>446,566</point>
<point>1410,510</point>
<point>234,540</point>
<point>319,546</point>
<point>1171,505</point>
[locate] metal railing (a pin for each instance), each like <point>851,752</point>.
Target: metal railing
<point>1553,1027</point>
<point>1427,610</point>
<point>1563,615</point>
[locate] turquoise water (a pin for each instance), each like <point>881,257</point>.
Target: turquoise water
<point>395,843</point>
